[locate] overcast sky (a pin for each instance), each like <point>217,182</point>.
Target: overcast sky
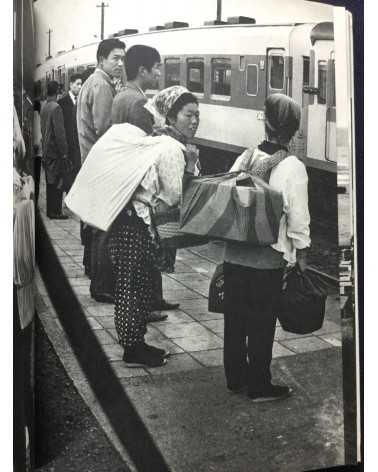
<point>75,22</point>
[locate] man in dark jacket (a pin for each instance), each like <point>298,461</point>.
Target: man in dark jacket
<point>94,107</point>
<point>68,105</point>
<point>55,149</point>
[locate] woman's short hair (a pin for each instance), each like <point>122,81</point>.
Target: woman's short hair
<point>140,55</point>
<point>179,104</point>
<point>282,117</point>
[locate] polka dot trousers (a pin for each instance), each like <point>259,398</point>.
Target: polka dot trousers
<point>132,254</point>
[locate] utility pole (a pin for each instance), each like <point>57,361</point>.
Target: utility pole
<point>102,6</point>
<point>49,33</point>
<point>219,10</point>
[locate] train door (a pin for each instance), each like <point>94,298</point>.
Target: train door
<point>276,71</point>
<point>321,132</point>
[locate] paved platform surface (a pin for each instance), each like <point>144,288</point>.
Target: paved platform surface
<point>192,418</point>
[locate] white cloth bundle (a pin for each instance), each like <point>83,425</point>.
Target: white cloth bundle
<point>112,172</point>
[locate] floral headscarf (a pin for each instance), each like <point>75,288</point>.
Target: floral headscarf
<point>163,101</point>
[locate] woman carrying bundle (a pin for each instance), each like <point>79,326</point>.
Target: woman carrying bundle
<point>133,241</point>
<point>253,274</point>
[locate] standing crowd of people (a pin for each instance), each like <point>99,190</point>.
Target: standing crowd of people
<point>125,261</point>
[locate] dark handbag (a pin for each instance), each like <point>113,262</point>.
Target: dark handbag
<point>303,301</point>
<point>216,291</point>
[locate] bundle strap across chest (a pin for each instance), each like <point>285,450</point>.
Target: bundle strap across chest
<point>261,167</point>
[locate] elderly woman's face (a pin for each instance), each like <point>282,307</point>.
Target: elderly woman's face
<point>187,120</point>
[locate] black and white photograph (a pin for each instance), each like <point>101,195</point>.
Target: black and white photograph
<point>185,280</point>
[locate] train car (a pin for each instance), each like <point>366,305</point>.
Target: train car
<point>232,68</point>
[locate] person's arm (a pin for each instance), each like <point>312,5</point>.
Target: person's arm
<point>298,216</point>
<point>193,165</point>
<point>302,258</point>
<point>243,162</point>
<point>59,131</point>
<point>171,167</point>
<point>18,140</point>
<point>102,108</point>
<point>118,109</point>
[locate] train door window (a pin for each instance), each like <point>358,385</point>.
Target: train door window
<point>331,89</point>
<point>306,70</point>
<point>70,72</point>
<point>221,77</point>
<point>276,70</point>
<point>63,80</point>
<point>252,79</point>
<point>195,77</point>
<point>322,82</point>
<point>172,72</point>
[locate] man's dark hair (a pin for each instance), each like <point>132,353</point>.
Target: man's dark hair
<point>75,77</point>
<point>179,104</point>
<point>52,88</point>
<point>106,47</point>
<point>138,56</point>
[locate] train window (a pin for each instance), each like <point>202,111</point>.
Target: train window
<point>252,79</point>
<point>221,77</point>
<point>195,77</point>
<point>276,71</point>
<point>306,70</point>
<point>322,82</point>
<point>172,72</point>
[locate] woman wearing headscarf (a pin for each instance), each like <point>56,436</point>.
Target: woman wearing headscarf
<point>133,238</point>
<point>175,113</point>
<point>253,275</point>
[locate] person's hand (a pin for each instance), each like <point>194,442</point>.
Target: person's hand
<point>191,154</point>
<point>302,259</point>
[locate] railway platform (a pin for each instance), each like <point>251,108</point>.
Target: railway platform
<point>195,423</point>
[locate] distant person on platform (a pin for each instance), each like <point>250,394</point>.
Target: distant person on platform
<point>54,149</point>
<point>68,104</point>
<point>142,64</point>
<point>94,106</point>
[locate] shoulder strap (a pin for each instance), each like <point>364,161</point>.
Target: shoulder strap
<point>263,167</point>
